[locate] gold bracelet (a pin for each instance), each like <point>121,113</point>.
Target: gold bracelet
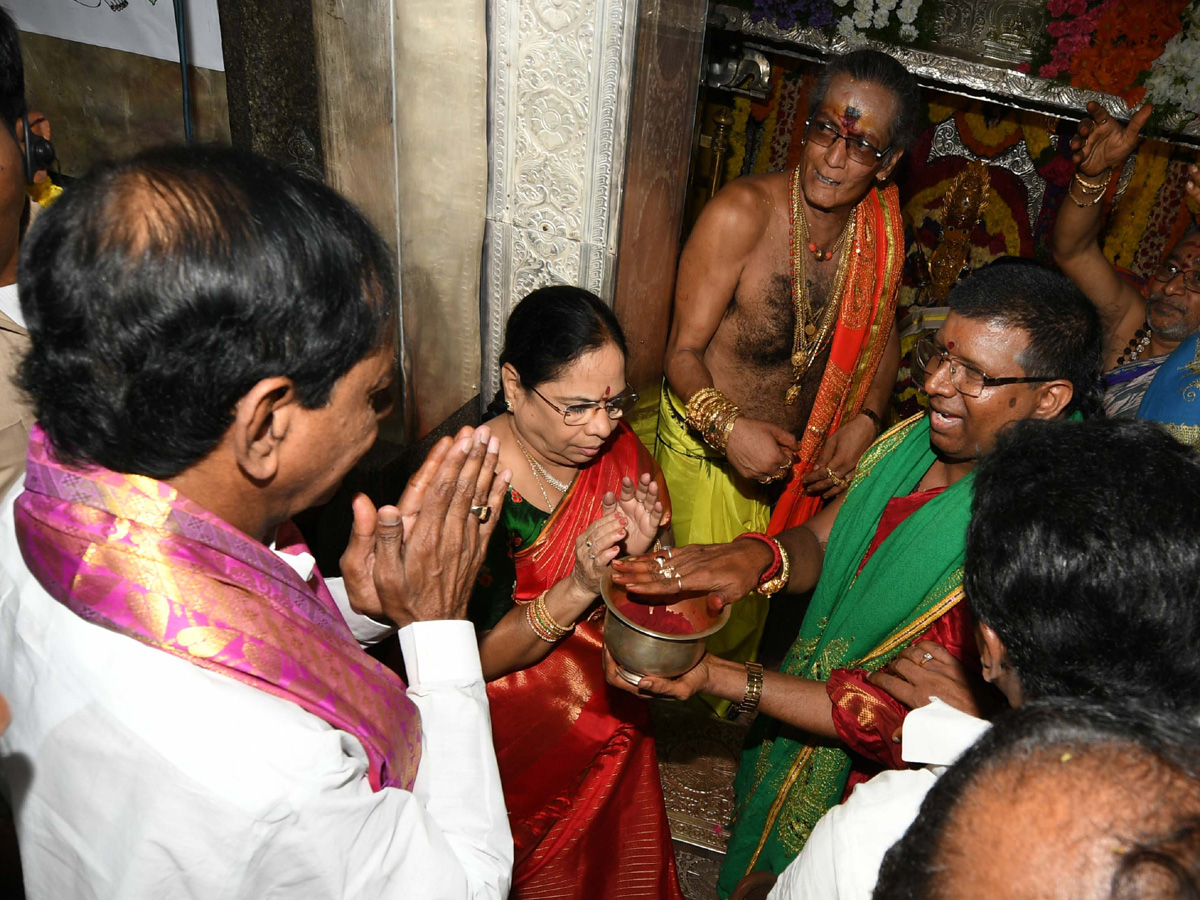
<point>779,582</point>
<point>712,414</point>
<point>1081,204</point>
<point>543,624</point>
<point>754,688</point>
<point>1092,186</point>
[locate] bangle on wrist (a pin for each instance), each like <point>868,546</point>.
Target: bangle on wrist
<point>713,415</point>
<point>776,554</point>
<point>875,420</point>
<point>779,582</point>
<point>543,624</point>
<point>754,689</point>
<point>1091,187</point>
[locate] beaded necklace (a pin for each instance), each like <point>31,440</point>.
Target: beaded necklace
<point>1137,345</point>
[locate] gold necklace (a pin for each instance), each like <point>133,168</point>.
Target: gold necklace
<point>538,471</point>
<point>808,339</point>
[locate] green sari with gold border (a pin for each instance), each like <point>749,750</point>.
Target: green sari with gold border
<point>788,778</point>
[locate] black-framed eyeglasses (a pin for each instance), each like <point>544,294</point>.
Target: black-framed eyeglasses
<point>578,413</point>
<point>928,357</point>
<point>1167,271</point>
<point>824,134</point>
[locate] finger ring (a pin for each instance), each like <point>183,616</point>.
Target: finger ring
<point>925,657</point>
<point>591,556</point>
<point>832,474</point>
<point>669,553</point>
<point>667,572</point>
<point>482,513</point>
<point>662,563</point>
<point>678,584</point>
<point>588,543</point>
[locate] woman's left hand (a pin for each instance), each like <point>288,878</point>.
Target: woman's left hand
<point>640,505</point>
<point>595,548</point>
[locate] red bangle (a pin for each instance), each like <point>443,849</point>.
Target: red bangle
<point>777,557</point>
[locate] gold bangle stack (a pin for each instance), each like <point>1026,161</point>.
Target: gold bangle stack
<point>542,623</point>
<point>712,414</point>
<point>779,582</point>
<point>1093,189</point>
<point>754,688</point>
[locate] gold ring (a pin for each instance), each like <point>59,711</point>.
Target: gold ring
<point>482,513</point>
<point>925,657</point>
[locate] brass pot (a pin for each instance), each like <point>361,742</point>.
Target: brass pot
<point>638,650</point>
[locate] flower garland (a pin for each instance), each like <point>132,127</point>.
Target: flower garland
<point>897,21</point>
<point>1153,55</point>
<point>1173,84</point>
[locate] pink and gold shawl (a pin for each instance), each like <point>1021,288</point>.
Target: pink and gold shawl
<point>132,555</point>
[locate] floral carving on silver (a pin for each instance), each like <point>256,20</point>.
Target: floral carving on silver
<point>560,76</point>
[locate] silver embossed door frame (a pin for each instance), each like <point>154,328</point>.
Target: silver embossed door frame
<point>560,78</point>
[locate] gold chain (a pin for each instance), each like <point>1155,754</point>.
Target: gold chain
<point>533,467</point>
<point>808,339</point>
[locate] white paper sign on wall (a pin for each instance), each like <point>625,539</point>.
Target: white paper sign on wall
<point>146,27</point>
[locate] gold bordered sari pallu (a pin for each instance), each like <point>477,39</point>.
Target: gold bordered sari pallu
<point>128,553</point>
<point>577,757</point>
<point>788,779</point>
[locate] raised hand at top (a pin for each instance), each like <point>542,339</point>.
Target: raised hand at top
<point>1103,142</point>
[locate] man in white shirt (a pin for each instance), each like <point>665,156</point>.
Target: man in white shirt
<point>212,347</point>
<point>1083,583</point>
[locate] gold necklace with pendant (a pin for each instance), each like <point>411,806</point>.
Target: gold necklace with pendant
<point>808,338</point>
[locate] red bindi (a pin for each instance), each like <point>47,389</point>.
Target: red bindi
<point>950,345</point>
<point>607,391</point>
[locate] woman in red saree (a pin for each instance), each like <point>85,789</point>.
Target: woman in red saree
<point>577,757</point>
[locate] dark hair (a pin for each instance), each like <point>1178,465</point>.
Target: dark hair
<point>880,69</point>
<point>1083,554</point>
<point>1157,751</point>
<point>1065,338</point>
<point>550,329</point>
<point>12,72</point>
<point>159,290</point>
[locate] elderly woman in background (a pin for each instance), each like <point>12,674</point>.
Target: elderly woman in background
<point>577,758</point>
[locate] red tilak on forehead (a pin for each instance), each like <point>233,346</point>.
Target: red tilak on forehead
<point>950,345</point>
<point>850,119</point>
<point>607,391</point>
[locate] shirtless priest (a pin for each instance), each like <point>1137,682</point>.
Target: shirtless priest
<point>783,348</point>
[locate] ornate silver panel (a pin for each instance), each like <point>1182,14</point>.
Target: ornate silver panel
<point>560,79</point>
<point>966,76</point>
<point>947,142</point>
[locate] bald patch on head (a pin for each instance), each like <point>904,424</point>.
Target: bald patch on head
<point>1059,822</point>
<point>150,209</point>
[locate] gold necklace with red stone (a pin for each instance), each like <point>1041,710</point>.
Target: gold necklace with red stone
<point>807,337</point>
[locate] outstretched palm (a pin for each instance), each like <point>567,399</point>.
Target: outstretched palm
<point>641,507</point>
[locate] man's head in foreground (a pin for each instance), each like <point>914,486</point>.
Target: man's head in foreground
<point>1060,799</point>
<point>207,318</point>
<point>1083,564</point>
<point>1020,342</point>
